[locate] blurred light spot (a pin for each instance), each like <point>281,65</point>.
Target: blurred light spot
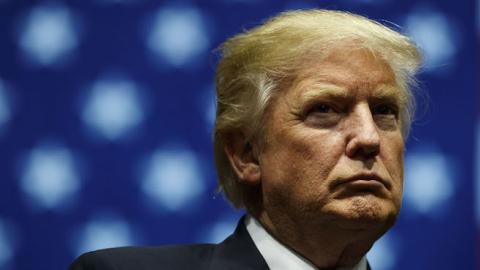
<point>217,232</point>
<point>383,254</point>
<point>434,34</point>
<point>49,177</point>
<point>173,179</point>
<point>48,35</point>
<point>105,232</point>
<point>113,108</point>
<point>178,35</point>
<point>8,239</point>
<point>428,181</point>
<point>5,109</point>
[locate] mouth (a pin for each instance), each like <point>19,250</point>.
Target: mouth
<point>363,181</point>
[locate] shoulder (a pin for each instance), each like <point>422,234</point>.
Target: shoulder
<point>143,258</point>
<point>237,252</point>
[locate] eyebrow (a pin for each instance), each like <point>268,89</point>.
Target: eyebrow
<point>390,93</point>
<point>328,90</point>
<point>386,90</point>
<point>322,90</point>
<point>319,90</point>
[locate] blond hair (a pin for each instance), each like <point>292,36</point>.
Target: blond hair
<point>255,63</point>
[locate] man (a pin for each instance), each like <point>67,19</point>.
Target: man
<point>313,109</point>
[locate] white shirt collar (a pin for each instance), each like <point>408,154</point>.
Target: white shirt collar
<point>278,256</point>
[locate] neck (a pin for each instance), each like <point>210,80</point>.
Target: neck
<point>324,245</point>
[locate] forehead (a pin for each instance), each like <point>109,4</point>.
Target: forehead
<point>347,72</point>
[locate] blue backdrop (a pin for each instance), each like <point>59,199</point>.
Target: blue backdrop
<point>106,110</point>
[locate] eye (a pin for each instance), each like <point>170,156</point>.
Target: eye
<point>386,110</point>
<point>322,108</point>
<point>322,115</point>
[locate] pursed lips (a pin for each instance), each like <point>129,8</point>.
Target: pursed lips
<point>364,177</point>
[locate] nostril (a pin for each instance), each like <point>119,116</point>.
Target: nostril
<point>370,150</point>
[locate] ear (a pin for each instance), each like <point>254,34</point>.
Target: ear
<point>243,157</point>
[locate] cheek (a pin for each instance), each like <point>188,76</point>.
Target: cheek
<point>302,161</point>
<point>392,157</point>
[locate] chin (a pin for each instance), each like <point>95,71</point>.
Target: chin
<point>367,211</point>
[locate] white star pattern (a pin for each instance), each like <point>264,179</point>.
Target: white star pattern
<point>434,33</point>
<point>428,181</point>
<point>173,178</point>
<point>104,232</point>
<point>49,177</point>
<point>49,35</point>
<point>178,35</point>
<point>113,108</point>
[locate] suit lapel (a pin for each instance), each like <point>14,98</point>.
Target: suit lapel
<point>237,252</point>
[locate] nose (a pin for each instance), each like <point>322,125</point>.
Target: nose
<point>363,139</point>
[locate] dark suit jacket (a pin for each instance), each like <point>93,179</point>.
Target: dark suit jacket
<point>237,252</point>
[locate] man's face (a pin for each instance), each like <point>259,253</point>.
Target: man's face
<point>334,145</point>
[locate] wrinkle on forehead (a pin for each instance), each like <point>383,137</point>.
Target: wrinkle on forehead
<point>338,62</point>
<point>366,71</point>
